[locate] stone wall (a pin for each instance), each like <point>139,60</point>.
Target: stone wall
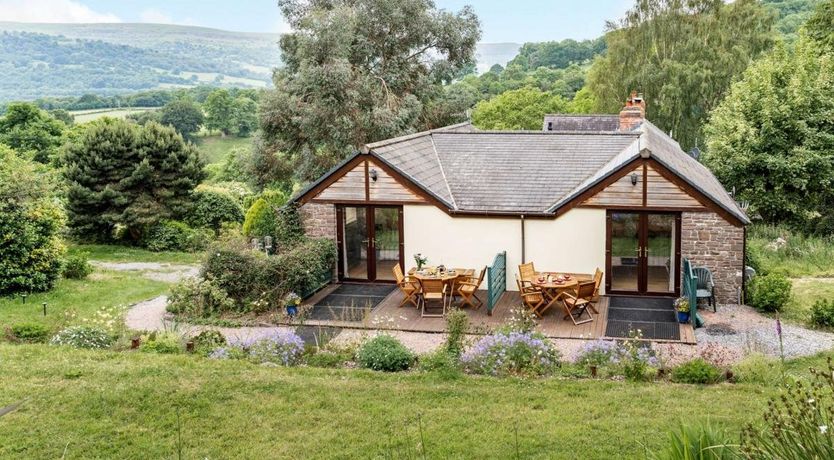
<point>708,240</point>
<point>319,220</point>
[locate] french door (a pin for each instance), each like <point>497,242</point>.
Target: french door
<point>370,242</point>
<point>643,253</point>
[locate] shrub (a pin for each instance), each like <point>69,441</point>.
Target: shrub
<point>83,337</point>
<point>599,353</point>
<point>212,207</point>
<point>770,292</point>
<point>457,323</point>
<point>798,422</point>
<point>163,342</point>
<point>441,362</point>
<point>822,313</point>
<point>758,369</point>
<point>261,219</point>
<point>384,353</point>
<point>207,341</point>
<point>637,357</point>
<point>696,371</point>
<point>283,347</point>
<point>30,333</point>
<point>512,353</point>
<point>698,442</point>
<point>198,298</point>
<point>172,235</point>
<point>328,358</point>
<point>77,267</point>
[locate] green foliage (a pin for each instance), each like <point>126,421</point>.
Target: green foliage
<point>384,353</point>
<point>758,369</point>
<point>220,111</point>
<point>31,250</point>
<point>83,337</point>
<point>330,357</point>
<point>820,26</point>
<point>822,313</point>
<point>77,266</point>
<point>457,325</point>
<point>173,235</point>
<point>235,166</point>
<point>770,292</point>
<point>212,207</point>
<point>770,137</point>
<point>245,120</point>
<point>698,442</point>
<point>696,371</point>
<point>791,15</point>
<point>120,174</point>
<point>268,216</point>
<point>512,353</point>
<point>183,114</point>
<point>161,342</point>
<point>682,56</point>
<point>31,131</point>
<point>30,333</point>
<point>442,363</point>
<point>199,298</point>
<point>261,219</point>
<point>518,109</point>
<point>797,423</point>
<point>800,255</point>
<point>344,83</point>
<point>207,341</point>
<point>558,55</point>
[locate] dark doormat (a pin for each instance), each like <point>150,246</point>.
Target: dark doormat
<point>317,335</point>
<point>350,302</point>
<point>655,317</point>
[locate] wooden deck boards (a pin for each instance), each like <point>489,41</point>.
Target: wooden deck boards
<point>387,315</point>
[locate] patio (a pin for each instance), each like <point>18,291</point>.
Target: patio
<point>387,315</point>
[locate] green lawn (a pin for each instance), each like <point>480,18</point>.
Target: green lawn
<point>214,148</point>
<point>805,292</point>
<point>111,253</point>
<point>124,405</point>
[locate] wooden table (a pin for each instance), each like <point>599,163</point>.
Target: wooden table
<point>445,276</point>
<point>552,289</point>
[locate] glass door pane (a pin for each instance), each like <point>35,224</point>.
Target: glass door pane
<point>355,244</point>
<point>625,251</point>
<point>386,241</point>
<point>660,255</point>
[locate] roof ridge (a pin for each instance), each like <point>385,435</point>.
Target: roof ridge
<point>581,115</point>
<point>545,133</point>
<point>407,137</point>
<point>443,172</point>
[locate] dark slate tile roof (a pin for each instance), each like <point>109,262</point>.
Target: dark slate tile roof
<point>591,123</point>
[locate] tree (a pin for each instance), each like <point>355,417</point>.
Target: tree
<point>182,114</point>
<point>220,111</point>
<point>31,131</point>
<point>30,226</point>
<point>130,176</point>
<point>582,102</point>
<point>517,109</point>
<point>820,27</point>
<point>771,137</point>
<point>246,116</point>
<point>557,55</point>
<point>357,71</point>
<point>682,56</point>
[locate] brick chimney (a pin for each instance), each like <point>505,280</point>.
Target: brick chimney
<point>633,113</point>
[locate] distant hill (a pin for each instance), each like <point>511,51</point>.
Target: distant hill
<point>791,15</point>
<point>54,60</point>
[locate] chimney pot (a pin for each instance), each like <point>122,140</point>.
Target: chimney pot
<point>633,113</point>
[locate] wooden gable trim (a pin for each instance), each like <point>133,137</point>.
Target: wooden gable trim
<point>618,174</point>
<point>409,184</point>
<point>327,181</point>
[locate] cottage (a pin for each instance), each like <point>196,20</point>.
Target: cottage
<point>607,191</point>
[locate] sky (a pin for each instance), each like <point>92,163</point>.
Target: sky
<point>502,20</point>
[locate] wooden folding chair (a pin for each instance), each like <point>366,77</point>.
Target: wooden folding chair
<point>576,304</point>
<point>532,298</point>
<point>434,289</point>
<point>468,289</point>
<point>409,288</point>
<point>527,272</point>
<point>597,284</point>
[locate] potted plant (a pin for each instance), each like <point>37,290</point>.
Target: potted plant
<point>292,301</point>
<point>682,306</point>
<point>420,261</point>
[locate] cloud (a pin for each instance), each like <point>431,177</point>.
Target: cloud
<point>155,16</point>
<point>51,11</point>
<point>282,27</point>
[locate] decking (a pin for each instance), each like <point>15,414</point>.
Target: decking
<point>389,316</point>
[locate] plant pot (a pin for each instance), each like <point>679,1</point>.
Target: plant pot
<point>683,317</point>
<point>135,342</point>
<point>189,346</point>
<point>292,310</point>
<point>593,371</point>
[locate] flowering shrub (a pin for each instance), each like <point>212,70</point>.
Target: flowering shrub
<point>83,337</point>
<point>282,347</point>
<point>108,319</point>
<point>636,358</point>
<point>697,371</point>
<point>512,353</point>
<point>599,353</point>
<point>384,353</point>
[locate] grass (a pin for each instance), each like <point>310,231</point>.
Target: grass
<point>805,292</point>
<point>125,405</point>
<point>83,116</point>
<point>214,148</point>
<point>83,297</point>
<point>112,253</point>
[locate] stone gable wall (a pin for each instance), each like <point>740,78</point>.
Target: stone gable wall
<point>708,240</point>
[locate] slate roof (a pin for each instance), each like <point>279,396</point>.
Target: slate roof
<point>590,123</point>
<point>533,172</point>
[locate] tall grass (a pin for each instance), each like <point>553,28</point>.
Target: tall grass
<point>800,255</point>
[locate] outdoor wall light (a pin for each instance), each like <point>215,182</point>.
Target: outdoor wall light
<point>633,178</point>
<point>373,175</point>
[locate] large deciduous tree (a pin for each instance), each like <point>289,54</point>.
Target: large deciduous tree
<point>820,26</point>
<point>772,137</point>
<point>358,71</point>
<point>182,114</point>
<point>31,131</point>
<point>682,55</point>
<point>523,108</point>
<point>122,174</point>
<point>220,111</point>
